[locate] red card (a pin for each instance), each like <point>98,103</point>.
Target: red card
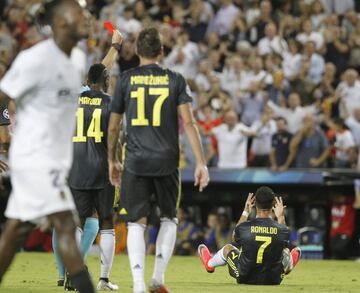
<point>109,26</point>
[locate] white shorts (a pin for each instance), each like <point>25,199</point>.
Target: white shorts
<point>37,193</point>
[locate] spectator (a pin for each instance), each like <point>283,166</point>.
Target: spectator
<point>295,114</point>
<point>292,60</point>
<point>309,35</point>
<point>317,14</point>
<point>224,18</point>
<point>280,146</point>
<point>256,25</point>
<point>309,146</point>
<point>251,104</point>
<point>127,23</point>
<point>224,230</point>
<point>354,43</point>
<point>210,230</point>
<point>349,91</point>
<point>202,79</point>
<point>342,226</point>
<point>232,138</point>
<point>339,7</point>
<point>271,43</point>
<point>315,64</point>
<point>353,122</point>
<point>201,13</point>
<point>344,144</point>
<point>261,143</point>
<point>336,48</point>
<point>184,56</point>
<point>186,234</point>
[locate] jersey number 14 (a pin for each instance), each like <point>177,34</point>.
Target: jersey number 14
<point>94,129</point>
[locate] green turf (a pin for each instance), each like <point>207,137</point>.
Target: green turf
<point>36,272</point>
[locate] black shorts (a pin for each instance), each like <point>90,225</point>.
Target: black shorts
<point>136,193</point>
<point>237,265</point>
<point>99,200</point>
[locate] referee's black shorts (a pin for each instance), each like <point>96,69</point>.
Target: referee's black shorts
<point>99,200</point>
<point>136,193</point>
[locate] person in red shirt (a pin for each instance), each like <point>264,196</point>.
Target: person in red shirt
<point>342,226</point>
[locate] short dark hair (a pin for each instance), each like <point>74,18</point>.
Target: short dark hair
<point>264,198</point>
<point>97,73</point>
<point>148,43</point>
<point>47,10</point>
<point>281,119</point>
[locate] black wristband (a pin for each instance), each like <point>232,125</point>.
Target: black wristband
<point>117,46</point>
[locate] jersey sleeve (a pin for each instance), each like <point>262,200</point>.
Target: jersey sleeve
<point>238,233</point>
<point>184,95</point>
<point>118,101</point>
<point>21,78</point>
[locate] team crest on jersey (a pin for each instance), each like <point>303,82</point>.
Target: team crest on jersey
<point>6,114</point>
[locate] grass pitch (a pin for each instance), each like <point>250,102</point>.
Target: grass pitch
<point>36,272</point>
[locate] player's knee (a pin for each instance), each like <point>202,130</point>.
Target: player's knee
<point>227,248</point>
<point>167,220</point>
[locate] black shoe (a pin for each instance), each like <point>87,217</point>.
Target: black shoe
<point>60,283</point>
<point>68,286</point>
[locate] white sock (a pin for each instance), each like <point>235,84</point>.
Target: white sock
<point>218,259</point>
<point>165,243</point>
<point>136,252</point>
<point>78,235</point>
<point>107,250</point>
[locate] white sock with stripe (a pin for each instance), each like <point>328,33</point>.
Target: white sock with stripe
<point>107,249</point>
<point>218,259</point>
<point>136,252</point>
<point>165,243</point>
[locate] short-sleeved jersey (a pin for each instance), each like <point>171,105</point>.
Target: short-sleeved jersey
<point>149,96</point>
<point>44,84</point>
<point>90,167</point>
<point>261,242</point>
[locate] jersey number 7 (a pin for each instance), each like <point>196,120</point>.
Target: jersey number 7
<point>260,255</point>
<point>139,95</point>
<point>94,129</point>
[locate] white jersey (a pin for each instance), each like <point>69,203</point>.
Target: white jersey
<point>44,83</point>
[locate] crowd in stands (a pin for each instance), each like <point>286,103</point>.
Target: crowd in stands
<point>275,83</point>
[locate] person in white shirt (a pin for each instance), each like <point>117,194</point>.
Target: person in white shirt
<point>353,122</point>
<point>232,138</point>
<point>224,18</point>
<point>309,34</point>
<point>44,84</point>
<point>316,63</point>
<point>344,143</point>
<point>261,144</point>
<point>292,60</point>
<point>184,56</point>
<point>127,23</point>
<point>271,43</point>
<point>295,114</point>
<point>349,91</point>
<point>202,79</point>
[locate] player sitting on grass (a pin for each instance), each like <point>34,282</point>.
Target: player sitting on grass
<point>261,256</point>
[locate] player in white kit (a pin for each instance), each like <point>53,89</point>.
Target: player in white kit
<point>44,84</point>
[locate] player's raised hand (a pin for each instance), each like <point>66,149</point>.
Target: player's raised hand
<point>201,176</point>
<point>115,170</point>
<point>279,208</point>
<point>250,203</point>
<point>117,37</point>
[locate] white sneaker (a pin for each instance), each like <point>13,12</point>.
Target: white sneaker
<point>107,286</point>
